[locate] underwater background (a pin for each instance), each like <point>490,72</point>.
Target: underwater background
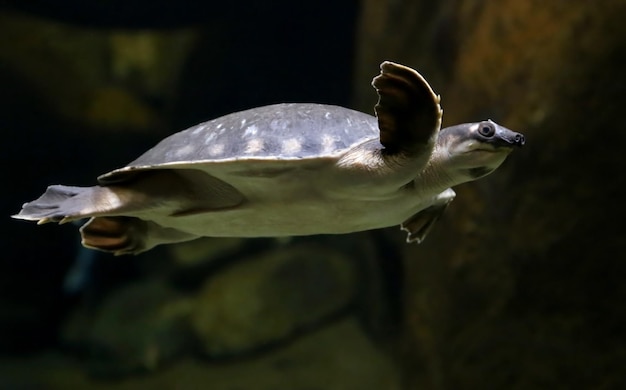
<point>520,285</point>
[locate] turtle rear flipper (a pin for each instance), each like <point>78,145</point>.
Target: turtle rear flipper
<point>419,225</point>
<point>61,204</point>
<point>127,235</point>
<point>114,234</point>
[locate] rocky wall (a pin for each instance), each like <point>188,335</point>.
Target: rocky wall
<point>520,286</point>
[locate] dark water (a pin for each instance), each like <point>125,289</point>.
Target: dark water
<point>518,286</point>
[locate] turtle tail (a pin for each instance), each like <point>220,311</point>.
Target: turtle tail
<point>61,204</point>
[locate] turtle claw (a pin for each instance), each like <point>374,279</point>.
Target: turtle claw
<point>65,220</point>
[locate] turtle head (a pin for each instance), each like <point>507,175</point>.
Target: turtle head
<point>474,150</point>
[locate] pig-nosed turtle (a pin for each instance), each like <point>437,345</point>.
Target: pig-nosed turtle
<point>288,169</point>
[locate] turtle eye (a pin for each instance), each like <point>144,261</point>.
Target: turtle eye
<point>486,129</point>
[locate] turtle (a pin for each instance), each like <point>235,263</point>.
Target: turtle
<point>288,169</point>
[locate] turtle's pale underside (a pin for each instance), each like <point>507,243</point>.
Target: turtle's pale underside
<point>288,169</point>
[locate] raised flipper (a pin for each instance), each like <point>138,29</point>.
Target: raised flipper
<point>408,111</point>
<point>419,225</point>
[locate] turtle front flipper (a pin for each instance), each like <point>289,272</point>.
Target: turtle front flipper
<point>62,204</point>
<point>408,111</point>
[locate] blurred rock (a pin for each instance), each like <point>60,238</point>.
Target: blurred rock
<point>335,358</point>
<point>102,79</point>
<point>114,108</point>
<point>205,250</point>
<point>137,328</point>
<point>269,297</point>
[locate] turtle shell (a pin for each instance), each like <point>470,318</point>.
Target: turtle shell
<point>277,132</point>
